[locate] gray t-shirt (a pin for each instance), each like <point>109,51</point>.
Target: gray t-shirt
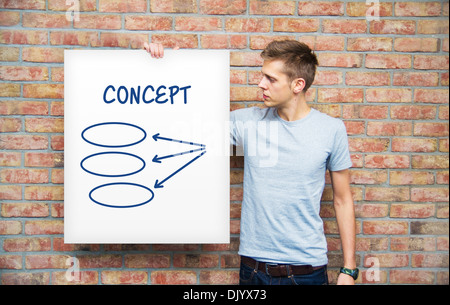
<point>284,177</point>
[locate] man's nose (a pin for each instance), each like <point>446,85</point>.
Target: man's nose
<point>262,84</point>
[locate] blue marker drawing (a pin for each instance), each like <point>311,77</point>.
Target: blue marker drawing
<point>156,137</point>
<point>121,206</point>
<point>114,146</point>
<point>157,159</point>
<point>160,184</point>
<point>112,153</point>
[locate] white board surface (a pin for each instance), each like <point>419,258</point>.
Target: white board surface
<point>146,146</point>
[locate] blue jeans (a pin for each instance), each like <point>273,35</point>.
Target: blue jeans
<point>249,276</point>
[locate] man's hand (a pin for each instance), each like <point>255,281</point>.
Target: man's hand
<point>345,279</point>
<point>156,50</point>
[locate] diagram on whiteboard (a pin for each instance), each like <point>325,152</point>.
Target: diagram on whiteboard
<point>146,146</point>
<point>112,157</point>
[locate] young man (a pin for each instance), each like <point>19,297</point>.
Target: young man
<point>282,239</point>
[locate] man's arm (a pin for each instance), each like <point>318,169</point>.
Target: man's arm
<point>345,216</point>
<point>156,50</point>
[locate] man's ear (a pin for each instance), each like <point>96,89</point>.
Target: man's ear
<point>297,85</point>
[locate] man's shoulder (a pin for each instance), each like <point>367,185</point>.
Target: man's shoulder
<point>249,114</point>
<point>327,120</point>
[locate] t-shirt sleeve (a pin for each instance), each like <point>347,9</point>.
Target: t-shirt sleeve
<point>339,158</point>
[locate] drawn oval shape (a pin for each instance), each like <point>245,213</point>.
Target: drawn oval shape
<point>121,195</point>
<point>113,134</point>
<point>111,162</point>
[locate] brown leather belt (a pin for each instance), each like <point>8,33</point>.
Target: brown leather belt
<point>279,269</point>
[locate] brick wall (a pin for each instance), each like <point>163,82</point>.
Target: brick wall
<point>387,79</point>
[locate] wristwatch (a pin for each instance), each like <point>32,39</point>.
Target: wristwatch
<point>352,272</point>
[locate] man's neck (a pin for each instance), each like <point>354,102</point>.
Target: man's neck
<point>294,110</point>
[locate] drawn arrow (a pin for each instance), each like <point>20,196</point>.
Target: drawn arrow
<point>160,184</point>
<point>156,137</point>
<point>157,159</point>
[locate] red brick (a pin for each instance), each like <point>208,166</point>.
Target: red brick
<point>412,210</point>
<point>147,261</point>
<point>385,227</point>
<point>44,125</point>
<point>44,193</point>
<point>413,112</point>
<point>424,194</point>
<point>355,127</point>
<point>46,261</point>
<point>248,59</point>
<point>259,42</point>
<point>23,142</point>
<point>434,96</point>
<point>432,26</point>
<point>367,78</point>
<point>429,79</point>
<point>198,24</point>
<point>430,161</point>
<point>50,55</point>
<point>122,40</point>
<point>365,112</point>
<point>85,278</point>
<point>220,41</point>
<point>9,227</point>
<point>73,38</point>
<point>328,78</point>
<point>57,142</point>
<point>247,25</point>
<point>219,277</point>
<point>61,5</point>
<point>295,25</point>
<point>413,244</point>
<point>344,26</point>
<point>431,129</point>
<point>9,18</point>
<point>10,158</point>
<point>97,21</point>
<point>35,278</point>
<point>416,45</point>
<point>387,161</point>
<point>368,145</point>
<point>387,194</point>
<point>55,91</point>
<point>348,60</point>
<point>195,260</point>
<point>431,62</point>
<point>429,260</point>
<point>23,37</point>
<point>25,209</point>
<point>23,107</point>
<point>272,7</point>
<point>9,89</point>
<point>9,54</point>
<point>123,6</point>
<point>414,145</point>
<point>23,73</point>
<point>326,43</point>
<point>124,277</point>
<point>411,277</point>
<point>24,4</point>
<point>173,277</point>
<point>318,8</point>
<point>388,260</point>
<point>391,61</point>
<point>389,129</point>
<point>44,159</point>
<point>44,20</point>
<point>379,44</point>
<point>10,262</point>
<point>223,7</point>
<point>410,177</point>
<point>363,9</point>
<point>417,9</point>
<point>396,27</point>
<point>173,6</point>
<point>10,124</point>
<point>24,176</point>
<point>172,40</point>
<point>340,95</point>
<point>26,244</point>
<point>148,23</point>
<point>44,227</point>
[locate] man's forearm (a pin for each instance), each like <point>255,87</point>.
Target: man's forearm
<point>345,216</point>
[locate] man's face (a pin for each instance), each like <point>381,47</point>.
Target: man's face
<point>275,84</point>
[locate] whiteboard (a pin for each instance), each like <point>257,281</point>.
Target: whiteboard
<point>146,146</point>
